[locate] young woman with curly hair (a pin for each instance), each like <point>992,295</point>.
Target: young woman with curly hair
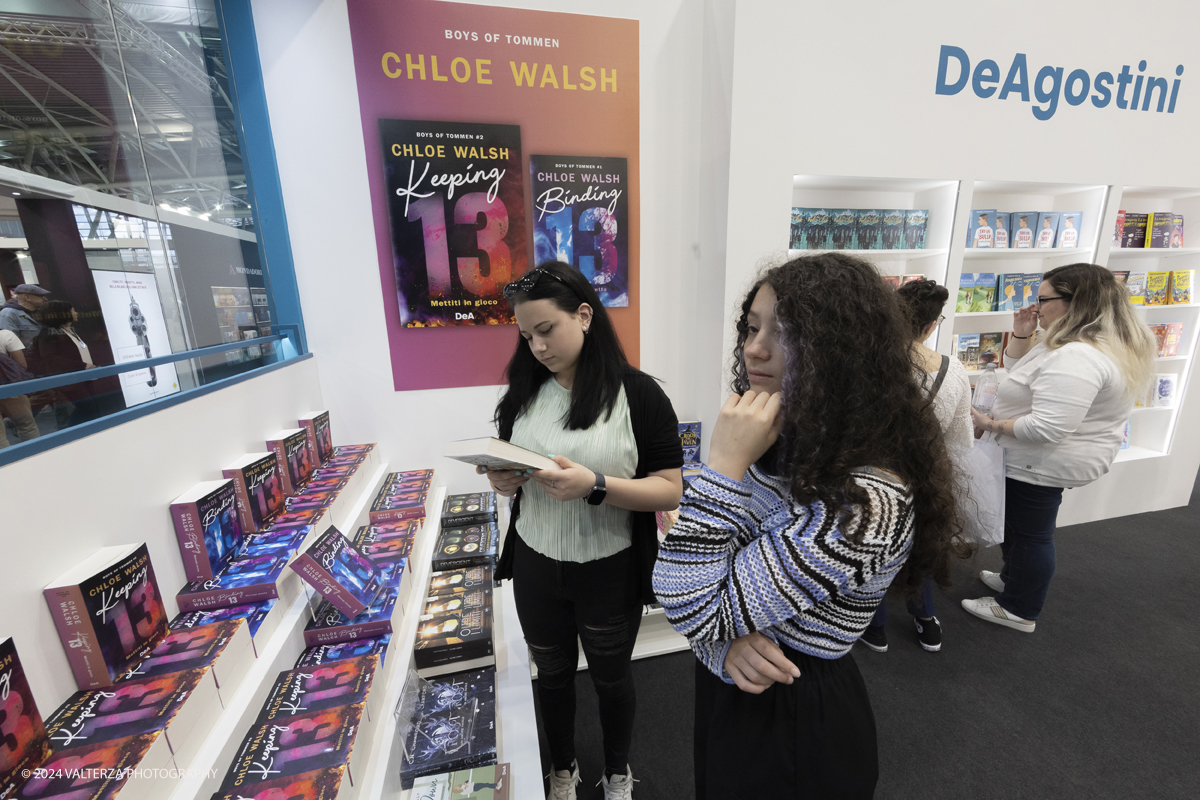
<point>827,481</point>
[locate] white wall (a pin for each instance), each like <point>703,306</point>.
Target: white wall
<point>115,487</point>
<point>315,120</point>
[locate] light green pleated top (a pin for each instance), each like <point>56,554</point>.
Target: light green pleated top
<point>574,530</point>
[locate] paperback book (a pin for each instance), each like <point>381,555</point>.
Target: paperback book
<point>1158,288</point>
<point>108,612</point>
<point>990,347</point>
<point>330,626</point>
<point>259,488</point>
<point>842,228</point>
<point>689,440</point>
<point>476,783</point>
<point>1001,233</point>
<point>891,234</point>
<point>966,292</point>
<point>1047,229</point>
<point>318,436</point>
<point>454,726</point>
<point>255,615</point>
<point>190,649</point>
<point>1181,286</point>
<point>1134,234</point>
<point>292,745</point>
<point>473,545</point>
<point>89,771</point>
<point>329,653</point>
<point>869,230</point>
<point>1012,292</point>
<point>295,461</point>
<point>1159,226</point>
<point>1070,228</point>
<point>459,581</point>
<point>318,784</point>
<point>341,574</point>
<point>796,232</point>
<point>401,504</point>
<point>241,581</point>
<point>818,222</point>
<point>454,632</point>
<point>966,347</point>
<point>274,541</point>
<point>207,527</point>
<point>1119,230</point>
<point>127,708</point>
<point>1032,281</point>
<point>915,223</point>
<point>981,230</point>
<point>308,689</point>
<point>1022,226</point>
<point>383,548</point>
<point>25,744</point>
<point>496,453</point>
<point>467,509</point>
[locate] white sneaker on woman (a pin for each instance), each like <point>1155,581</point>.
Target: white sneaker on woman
<point>562,783</point>
<point>618,787</point>
<point>986,608</point>
<point>992,580</point>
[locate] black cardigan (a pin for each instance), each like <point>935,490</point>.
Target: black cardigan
<point>656,432</point>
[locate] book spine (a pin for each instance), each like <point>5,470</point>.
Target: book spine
<point>397,514</point>
<point>227,598</point>
<point>347,633</point>
<point>443,565</point>
<point>78,637</point>
<point>426,657</point>
<point>245,515</point>
<point>189,532</point>
<point>285,475</point>
<point>327,586</point>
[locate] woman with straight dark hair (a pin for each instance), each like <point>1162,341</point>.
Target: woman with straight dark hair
<point>582,539</point>
<point>827,479</point>
<point>1059,416</point>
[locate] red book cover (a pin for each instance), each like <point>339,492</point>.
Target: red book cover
<point>24,744</point>
<point>295,460</point>
<point>318,436</point>
<point>340,573</point>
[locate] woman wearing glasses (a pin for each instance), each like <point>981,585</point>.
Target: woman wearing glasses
<point>1059,416</point>
<point>583,539</point>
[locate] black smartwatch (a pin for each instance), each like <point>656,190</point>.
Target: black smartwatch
<point>596,496</point>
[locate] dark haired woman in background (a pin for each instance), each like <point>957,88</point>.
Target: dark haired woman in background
<point>582,540</point>
<point>827,479</point>
<point>56,349</point>
<point>1059,417</point>
<point>946,383</point>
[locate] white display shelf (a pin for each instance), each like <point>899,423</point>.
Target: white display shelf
<point>1153,409</point>
<point>1167,307</point>
<point>1122,253</point>
<point>1025,254</point>
<point>877,255</point>
<point>1133,453</point>
<point>1168,359</point>
<point>982,314</point>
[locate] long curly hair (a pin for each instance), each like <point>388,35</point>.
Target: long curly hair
<point>851,399</point>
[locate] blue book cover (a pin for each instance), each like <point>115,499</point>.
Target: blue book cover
<point>689,439</point>
<point>966,291</point>
<point>981,228</point>
<point>455,726</point>
<point>1000,236</point>
<point>330,626</point>
<point>891,231</point>
<point>818,224</point>
<point>1047,229</point>
<point>1070,229</point>
<point>845,221</point>
<point>796,233</point>
<point>340,572</point>
<point>1022,234</point>
<point>966,347</point>
<point>581,217</point>
<point>239,582</point>
<point>1012,292</point>
<point>868,229</point>
<point>1031,283</point>
<point>328,653</point>
<point>253,613</point>
<point>915,223</point>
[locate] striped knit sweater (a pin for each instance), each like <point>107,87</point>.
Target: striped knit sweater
<point>746,557</point>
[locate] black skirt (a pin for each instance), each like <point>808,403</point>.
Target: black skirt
<point>812,739</point>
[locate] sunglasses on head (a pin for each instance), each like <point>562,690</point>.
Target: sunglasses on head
<point>523,284</point>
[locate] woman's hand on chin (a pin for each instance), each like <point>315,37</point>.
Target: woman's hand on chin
<point>570,481</point>
<point>747,425</point>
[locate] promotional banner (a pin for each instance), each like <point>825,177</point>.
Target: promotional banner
<point>454,97</point>
<point>137,330</point>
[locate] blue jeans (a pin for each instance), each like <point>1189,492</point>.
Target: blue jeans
<point>923,609</point>
<point>1030,517</point>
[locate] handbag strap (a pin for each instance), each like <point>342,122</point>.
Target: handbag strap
<point>941,376</point>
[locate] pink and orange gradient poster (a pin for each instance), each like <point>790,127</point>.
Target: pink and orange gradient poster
<point>454,100</point>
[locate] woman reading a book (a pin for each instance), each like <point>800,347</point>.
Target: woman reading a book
<point>1059,416</point>
<point>827,479</point>
<point>583,539</point>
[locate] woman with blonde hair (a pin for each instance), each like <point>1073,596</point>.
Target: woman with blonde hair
<point>1059,416</point>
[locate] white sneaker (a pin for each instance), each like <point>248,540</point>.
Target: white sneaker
<point>992,580</point>
<point>562,783</point>
<point>619,787</point>
<point>986,608</point>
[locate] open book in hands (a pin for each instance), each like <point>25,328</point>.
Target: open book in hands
<point>496,453</point>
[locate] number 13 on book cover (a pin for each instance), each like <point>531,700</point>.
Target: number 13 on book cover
<point>457,210</point>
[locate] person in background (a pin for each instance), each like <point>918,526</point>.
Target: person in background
<point>17,409</point>
<point>17,315</point>
<point>57,349</point>
<point>1059,416</point>
<point>827,479</point>
<point>946,383</point>
<point>582,538</point>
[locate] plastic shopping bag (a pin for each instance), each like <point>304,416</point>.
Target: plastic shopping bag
<point>983,496</point>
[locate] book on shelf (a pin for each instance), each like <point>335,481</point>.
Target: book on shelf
<point>1070,228</point>
<point>1135,285</point>
<point>293,745</point>
<point>459,581</point>
<point>1158,288</point>
<point>466,546</point>
<point>317,784</point>
<point>1172,336</point>
<point>966,292</point>
<point>1159,226</point>
<point>1047,229</point>
<point>400,504</point>
<point>496,453</point>
<point>1120,275</point>
<point>842,227</point>
<point>108,612</point>
<point>100,770</point>
<point>1022,227</point>
<point>259,488</point>
<point>387,541</point>
<point>207,526</point>
<point>474,783</point>
<point>1000,235</point>
<point>981,228</point>
<point>222,648</point>
<point>916,222</point>
<point>276,541</point>
<point>868,229</point>
<point>796,231</point>
<point>689,440</point>
<point>330,626</point>
<point>454,632</point>
<point>240,581</point>
<point>341,574</point>
<point>1119,229</point>
<point>468,509</point>
<point>329,653</point>
<point>340,683</point>
<point>910,278</point>
<point>1033,280</point>
<point>295,460</point>
<point>1134,234</point>
<point>261,617</point>
<point>983,295</point>
<point>891,229</point>
<point>318,436</point>
<point>1011,291</point>
<point>25,744</point>
<point>966,347</point>
<point>364,449</point>
<point>1181,286</point>
<point>1177,232</point>
<point>453,725</point>
<point>991,345</point>
<point>312,500</point>
<point>817,224</point>
<point>891,280</point>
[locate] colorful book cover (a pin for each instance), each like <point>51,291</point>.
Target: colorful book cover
<point>1135,230</point>
<point>1119,229</point>
<point>339,572</point>
<point>459,581</point>
<point>328,483</point>
<point>1159,332</point>
<point>466,546</point>
<point>981,228</point>
<point>254,614</point>
<point>109,619</point>
<point>1125,434</point>
<point>689,440</point>
<point>1000,237</point>
<point>291,519</point>
<point>990,347</point>
<point>272,542</point>
<point>1158,285</point>
<point>24,744</point>
<point>1032,281</point>
<point>1070,229</point>
<point>319,784</point>
<point>891,231</point>
<point>983,296</point>
<point>382,548</point>
<point>186,649</point>
<point>842,228</point>
<point>260,496</point>
<point>966,292</point>
<point>208,527</point>
<point>454,628</point>
<point>1047,229</point>
<point>966,347</point>
<point>127,708</point>
<point>251,581</point>
<point>475,783</point>
<point>581,218</point>
<point>293,745</point>
<point>1120,275</point>
<point>1012,292</point>
<point>1159,226</point>
<point>868,230</point>
<point>1181,286</point>
<point>354,449</point>
<point>330,626</point>
<point>311,501</point>
<point>1172,336</point>
<point>91,771</point>
<point>318,436</point>
<point>454,728</point>
<point>449,270</point>
<point>1177,231</point>
<point>329,653</point>
<point>298,691</point>
<point>401,505</point>
<point>915,223</point>
<point>796,231</point>
<point>295,461</point>
<point>1135,284</point>
<point>891,280</point>
<point>1022,226</point>
<point>465,509</point>
<point>818,225</point>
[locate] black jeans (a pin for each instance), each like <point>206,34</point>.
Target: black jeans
<point>595,602</point>
<point>1030,518</point>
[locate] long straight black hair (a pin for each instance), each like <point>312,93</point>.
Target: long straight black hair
<point>602,363</point>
